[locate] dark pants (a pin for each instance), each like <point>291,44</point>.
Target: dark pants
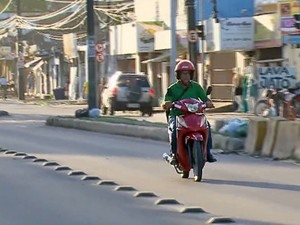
<point>173,135</point>
<point>4,91</point>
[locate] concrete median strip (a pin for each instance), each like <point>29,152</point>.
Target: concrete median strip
<point>155,133</point>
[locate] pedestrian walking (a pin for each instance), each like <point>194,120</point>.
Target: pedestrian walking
<point>237,83</point>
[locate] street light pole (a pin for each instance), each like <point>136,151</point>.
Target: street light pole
<point>92,93</point>
<point>192,44</point>
<point>20,63</point>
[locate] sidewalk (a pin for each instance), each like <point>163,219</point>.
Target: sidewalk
<point>219,106</point>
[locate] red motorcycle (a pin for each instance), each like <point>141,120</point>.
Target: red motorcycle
<point>192,136</point>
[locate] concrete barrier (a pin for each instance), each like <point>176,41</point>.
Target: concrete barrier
<point>227,143</point>
<point>256,134</point>
<point>296,155</point>
<point>219,141</point>
<point>218,124</point>
<point>235,144</point>
<point>269,142</point>
<point>286,139</point>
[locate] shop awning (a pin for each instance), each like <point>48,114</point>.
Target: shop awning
<point>162,58</point>
<point>271,60</point>
<point>32,63</point>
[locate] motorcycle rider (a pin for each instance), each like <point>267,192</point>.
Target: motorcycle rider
<point>184,88</point>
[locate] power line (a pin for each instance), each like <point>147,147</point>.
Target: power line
<point>7,6</point>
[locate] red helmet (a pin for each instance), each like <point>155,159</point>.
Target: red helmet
<point>184,65</point>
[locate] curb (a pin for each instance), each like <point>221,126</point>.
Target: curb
<point>154,133</point>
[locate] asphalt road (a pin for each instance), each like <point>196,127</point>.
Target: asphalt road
<point>33,195</point>
<point>249,190</point>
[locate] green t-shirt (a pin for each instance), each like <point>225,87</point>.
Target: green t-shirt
<point>175,90</point>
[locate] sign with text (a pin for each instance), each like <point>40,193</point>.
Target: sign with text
<point>237,33</point>
<point>277,77</point>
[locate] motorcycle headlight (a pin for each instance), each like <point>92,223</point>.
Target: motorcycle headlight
<point>192,107</point>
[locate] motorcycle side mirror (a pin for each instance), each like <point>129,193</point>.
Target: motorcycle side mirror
<point>208,90</point>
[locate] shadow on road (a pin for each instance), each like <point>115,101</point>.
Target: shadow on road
<point>264,185</point>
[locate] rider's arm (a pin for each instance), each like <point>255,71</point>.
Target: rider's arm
<point>204,98</point>
<point>168,99</point>
<point>166,105</point>
<point>209,104</point>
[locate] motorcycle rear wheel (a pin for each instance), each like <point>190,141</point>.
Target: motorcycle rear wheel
<point>198,160</point>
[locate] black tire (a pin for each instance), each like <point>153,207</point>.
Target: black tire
<point>260,107</point>
<point>150,112</point>
<point>198,160</point>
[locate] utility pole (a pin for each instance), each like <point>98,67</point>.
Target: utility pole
<point>20,63</point>
<point>192,35</point>
<point>173,40</point>
<point>92,93</point>
<point>215,11</point>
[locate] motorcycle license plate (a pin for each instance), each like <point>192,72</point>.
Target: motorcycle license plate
<point>133,105</point>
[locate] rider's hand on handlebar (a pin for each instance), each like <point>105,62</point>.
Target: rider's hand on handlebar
<point>210,104</point>
<point>168,105</point>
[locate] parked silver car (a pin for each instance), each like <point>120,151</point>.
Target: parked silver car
<point>127,92</point>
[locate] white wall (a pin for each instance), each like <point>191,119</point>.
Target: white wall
<point>160,10</point>
<point>292,54</point>
<point>123,39</point>
<point>162,40</point>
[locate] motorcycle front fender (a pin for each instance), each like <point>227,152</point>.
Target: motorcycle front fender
<point>194,136</point>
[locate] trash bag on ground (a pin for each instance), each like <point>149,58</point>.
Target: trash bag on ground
<point>94,113</point>
<point>235,128</point>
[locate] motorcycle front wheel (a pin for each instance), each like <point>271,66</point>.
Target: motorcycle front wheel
<point>198,160</point>
<point>260,107</point>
